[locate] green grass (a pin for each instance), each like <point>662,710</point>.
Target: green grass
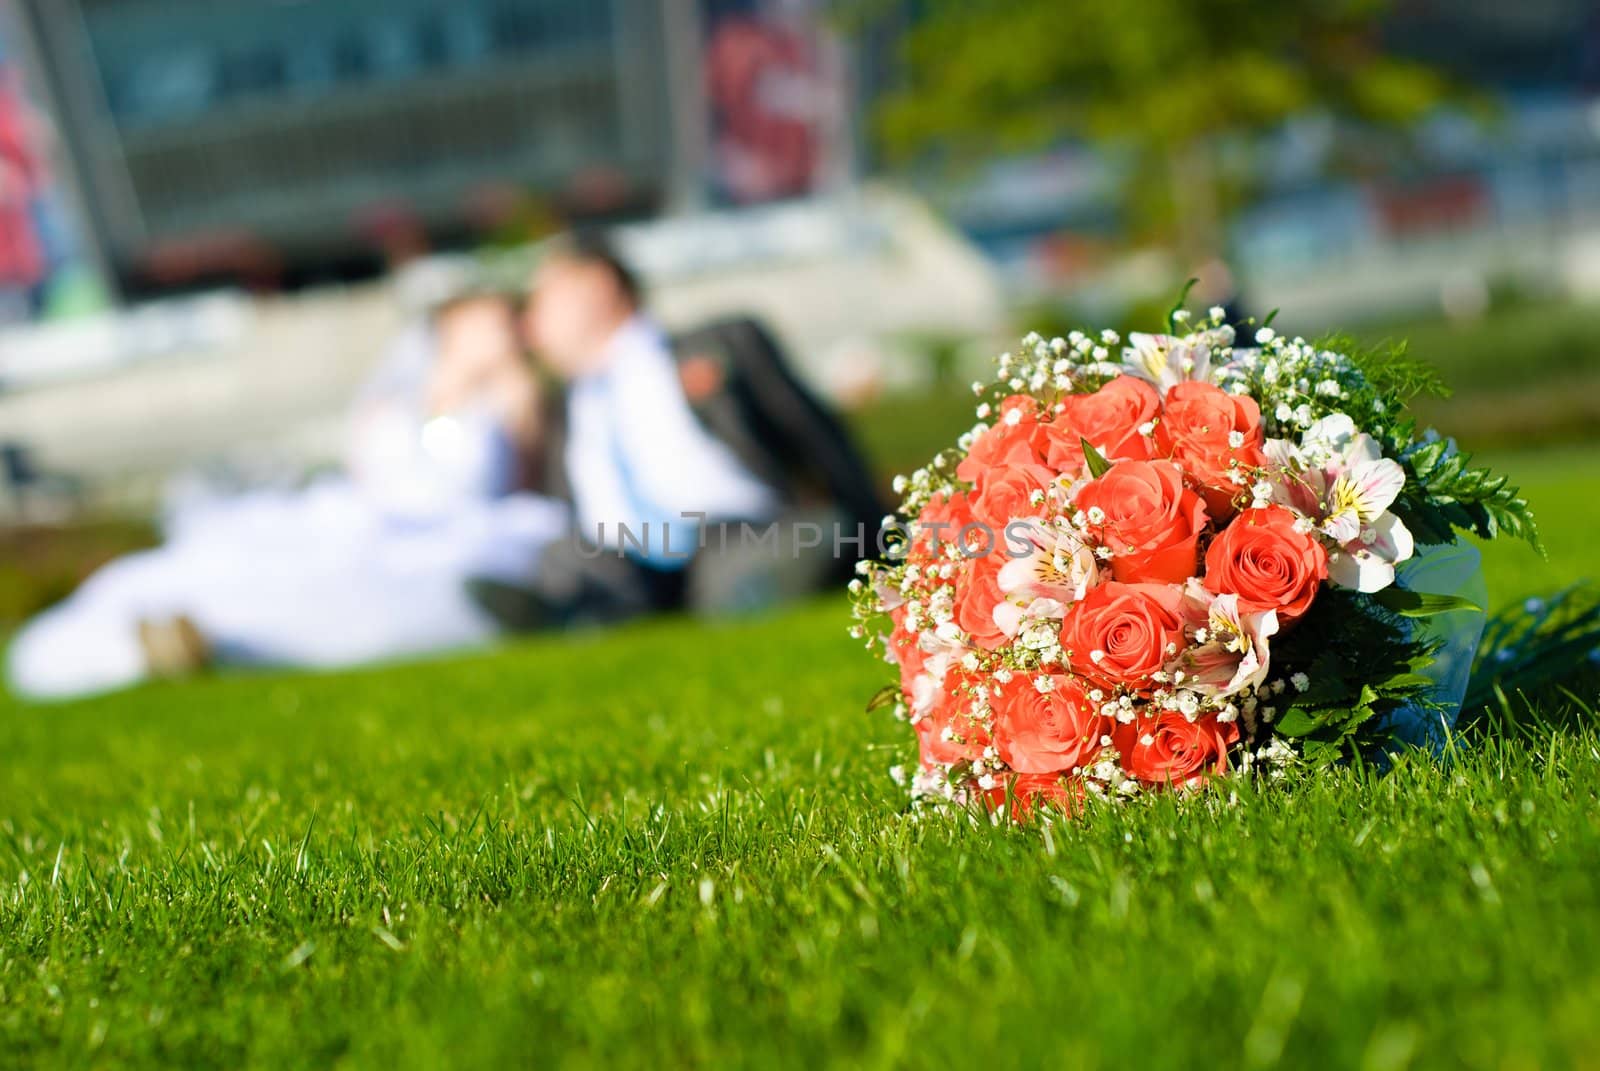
<point>676,845</point>
<point>1524,374</point>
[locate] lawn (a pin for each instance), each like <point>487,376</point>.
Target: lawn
<point>676,845</point>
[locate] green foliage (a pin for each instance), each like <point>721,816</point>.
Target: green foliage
<point>1158,72</point>
<point>1180,307</point>
<point>1443,489</point>
<point>1405,603</point>
<point>1094,460</point>
<point>1390,368</point>
<point>1362,663</point>
<point>1165,83</point>
<point>1547,648</point>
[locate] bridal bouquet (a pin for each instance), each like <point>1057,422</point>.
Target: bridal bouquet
<point>1157,561</point>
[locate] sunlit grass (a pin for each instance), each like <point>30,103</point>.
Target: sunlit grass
<point>677,844</point>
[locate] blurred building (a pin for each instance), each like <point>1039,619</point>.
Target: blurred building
<point>288,141</point>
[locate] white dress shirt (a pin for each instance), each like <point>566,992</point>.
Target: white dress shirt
<point>636,454</point>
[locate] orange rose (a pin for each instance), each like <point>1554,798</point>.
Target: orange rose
<point>1028,792</point>
<point>907,652</point>
<point>1120,633</point>
<point>977,594</point>
<point>1266,561</point>
<point>1110,419</point>
<point>1169,749</point>
<point>1007,495</point>
<point>1046,732</point>
<point>1006,442</point>
<point>940,522</point>
<point>965,739</point>
<point>1200,427</point>
<point>1149,518</point>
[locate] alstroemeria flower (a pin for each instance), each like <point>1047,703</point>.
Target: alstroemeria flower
<point>941,648</point>
<point>1340,479</point>
<point>1367,562</point>
<point>1036,626</point>
<point>1230,651</point>
<point>1166,361</point>
<point>1057,567</point>
<point>1361,482</point>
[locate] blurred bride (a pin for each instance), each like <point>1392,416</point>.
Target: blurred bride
<point>365,566</point>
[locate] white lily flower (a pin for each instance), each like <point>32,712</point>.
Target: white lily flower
<point>1234,656</point>
<point>1366,564</point>
<point>926,691</point>
<point>942,648</point>
<point>1059,568</point>
<point>1338,477</point>
<point>1328,437</point>
<point>1166,361</point>
<point>1358,495</point>
<point>1059,564</point>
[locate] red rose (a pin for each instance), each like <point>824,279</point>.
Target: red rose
<point>1199,428</point>
<point>1046,732</point>
<point>977,594</point>
<point>1150,519</point>
<point>1266,561</point>
<point>1110,419</point>
<point>1119,633</point>
<point>965,738</point>
<point>1011,440</point>
<point>1169,749</point>
<point>1026,793</point>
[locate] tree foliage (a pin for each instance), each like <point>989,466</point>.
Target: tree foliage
<point>1164,81</point>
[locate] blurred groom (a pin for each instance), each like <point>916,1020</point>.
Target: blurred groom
<point>643,474</point>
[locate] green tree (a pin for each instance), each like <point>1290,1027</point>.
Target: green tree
<point>1167,85</point>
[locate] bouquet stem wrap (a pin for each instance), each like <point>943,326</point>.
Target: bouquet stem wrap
<point>1448,569</point>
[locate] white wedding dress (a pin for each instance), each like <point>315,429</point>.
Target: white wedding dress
<point>352,569</point>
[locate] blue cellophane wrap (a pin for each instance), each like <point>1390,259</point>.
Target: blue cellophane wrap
<point>1443,569</point>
